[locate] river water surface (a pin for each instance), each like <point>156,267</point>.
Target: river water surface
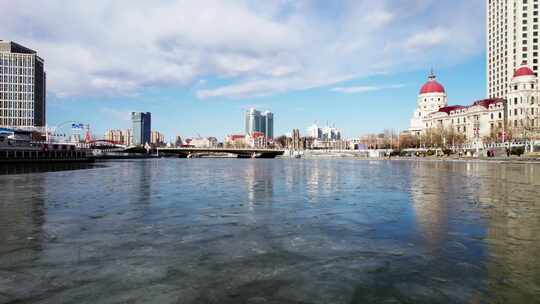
<point>271,231</point>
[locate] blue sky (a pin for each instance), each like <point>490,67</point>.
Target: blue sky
<point>197,65</point>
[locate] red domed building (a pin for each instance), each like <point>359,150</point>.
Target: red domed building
<point>431,98</point>
<point>481,120</point>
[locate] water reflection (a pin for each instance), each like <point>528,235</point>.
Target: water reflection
<point>259,175</point>
<point>501,211</point>
<point>433,187</point>
<point>6,169</point>
<point>22,218</point>
<point>509,197</point>
<point>140,178</point>
<point>240,231</point>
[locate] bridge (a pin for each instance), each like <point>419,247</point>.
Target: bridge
<point>240,152</point>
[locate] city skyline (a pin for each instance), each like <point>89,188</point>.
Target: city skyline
<point>99,88</point>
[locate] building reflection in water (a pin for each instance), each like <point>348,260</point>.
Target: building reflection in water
<point>509,196</point>
<point>502,201</point>
<point>139,189</point>
<point>433,187</point>
<point>22,216</point>
<point>427,191</point>
<point>259,175</point>
<point>318,179</point>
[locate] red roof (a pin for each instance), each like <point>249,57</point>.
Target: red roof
<point>432,86</point>
<point>449,109</point>
<point>484,103</point>
<point>523,71</point>
<point>257,134</point>
<point>235,137</point>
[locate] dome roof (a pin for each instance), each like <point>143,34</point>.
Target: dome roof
<point>432,86</point>
<point>523,71</point>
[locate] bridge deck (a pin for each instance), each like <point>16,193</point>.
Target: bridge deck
<point>222,150</point>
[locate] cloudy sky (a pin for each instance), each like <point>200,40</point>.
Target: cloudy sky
<point>197,65</point>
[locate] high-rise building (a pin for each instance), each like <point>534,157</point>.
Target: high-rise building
<point>512,40</point>
<point>257,122</point>
<point>253,121</point>
<point>142,126</point>
<point>22,86</point>
<point>268,118</point>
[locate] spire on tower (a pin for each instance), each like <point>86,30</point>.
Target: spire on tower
<point>432,75</point>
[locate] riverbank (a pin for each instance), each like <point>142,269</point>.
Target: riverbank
<point>464,159</point>
<point>511,159</point>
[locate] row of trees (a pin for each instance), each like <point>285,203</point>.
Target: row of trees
<point>435,137</point>
<point>449,137</point>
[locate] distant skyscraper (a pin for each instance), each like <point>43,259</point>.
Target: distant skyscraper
<point>22,86</point>
<point>268,118</point>
<point>512,40</point>
<point>252,121</point>
<point>142,126</point>
<point>257,122</point>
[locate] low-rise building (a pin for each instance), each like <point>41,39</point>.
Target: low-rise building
<point>204,142</point>
<point>235,140</point>
<point>256,140</point>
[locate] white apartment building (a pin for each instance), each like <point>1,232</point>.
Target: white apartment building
<point>123,137</point>
<point>326,133</point>
<point>511,40</point>
<point>22,87</point>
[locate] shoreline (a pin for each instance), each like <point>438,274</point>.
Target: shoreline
<point>435,159</point>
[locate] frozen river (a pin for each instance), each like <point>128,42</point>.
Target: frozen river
<point>272,231</point>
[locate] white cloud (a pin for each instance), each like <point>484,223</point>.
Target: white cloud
<point>426,40</point>
<point>119,116</point>
<point>365,89</point>
<point>103,47</point>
